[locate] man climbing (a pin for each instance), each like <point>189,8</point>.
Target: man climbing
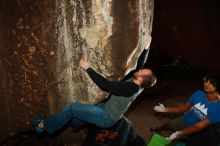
<point>104,114</point>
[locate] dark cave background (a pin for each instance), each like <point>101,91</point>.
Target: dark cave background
<point>188,30</point>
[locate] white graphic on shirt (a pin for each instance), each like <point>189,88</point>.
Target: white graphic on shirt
<point>200,110</point>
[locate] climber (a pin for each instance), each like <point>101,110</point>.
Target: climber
<point>104,114</point>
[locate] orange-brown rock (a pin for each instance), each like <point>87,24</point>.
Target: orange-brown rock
<point>43,41</point>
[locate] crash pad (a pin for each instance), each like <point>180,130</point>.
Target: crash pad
<point>121,134</point>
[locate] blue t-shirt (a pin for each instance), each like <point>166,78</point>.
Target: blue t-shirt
<point>201,109</point>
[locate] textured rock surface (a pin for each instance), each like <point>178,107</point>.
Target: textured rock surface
<point>26,43</point>
<point>43,41</point>
<point>108,34</point>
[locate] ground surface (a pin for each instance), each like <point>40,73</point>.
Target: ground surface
<point>174,87</point>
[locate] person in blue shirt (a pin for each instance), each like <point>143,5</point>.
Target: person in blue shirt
<point>104,114</point>
<point>201,110</point>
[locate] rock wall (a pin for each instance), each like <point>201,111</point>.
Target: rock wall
<point>26,47</point>
<point>43,41</point>
<point>108,34</point>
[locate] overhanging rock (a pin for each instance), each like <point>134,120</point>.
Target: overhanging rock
<point>43,41</point>
<point>110,35</point>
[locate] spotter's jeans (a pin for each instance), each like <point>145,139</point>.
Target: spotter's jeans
<point>94,114</point>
